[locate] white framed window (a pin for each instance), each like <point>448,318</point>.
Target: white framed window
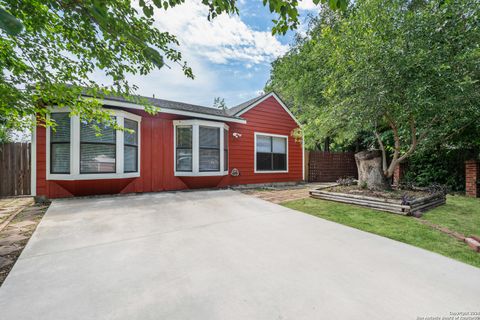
<point>271,153</point>
<point>201,148</point>
<point>76,152</point>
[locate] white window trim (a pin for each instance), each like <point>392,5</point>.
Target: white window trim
<point>75,150</point>
<point>255,152</point>
<point>196,148</point>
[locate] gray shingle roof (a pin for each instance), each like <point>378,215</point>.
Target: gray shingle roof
<point>237,109</point>
<point>175,105</point>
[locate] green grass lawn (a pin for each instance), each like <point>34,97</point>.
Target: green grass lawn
<point>460,214</point>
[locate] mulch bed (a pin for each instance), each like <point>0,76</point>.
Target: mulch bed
<point>19,219</point>
<point>388,194</point>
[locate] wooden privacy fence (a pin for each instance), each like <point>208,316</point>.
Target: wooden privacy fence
<point>329,166</point>
<point>14,169</point>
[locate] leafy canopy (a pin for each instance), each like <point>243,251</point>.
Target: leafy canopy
<point>49,50</point>
<point>406,72</point>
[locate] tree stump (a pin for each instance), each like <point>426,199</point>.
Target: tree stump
<point>370,172</point>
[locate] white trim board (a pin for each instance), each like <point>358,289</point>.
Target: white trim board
<point>255,152</point>
<point>272,94</point>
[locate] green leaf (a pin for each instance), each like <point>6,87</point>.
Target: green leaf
<point>154,56</point>
<point>11,25</point>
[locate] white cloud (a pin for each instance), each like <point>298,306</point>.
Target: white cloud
<point>222,40</point>
<point>307,5</point>
<point>210,48</point>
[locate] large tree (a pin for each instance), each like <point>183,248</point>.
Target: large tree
<point>49,50</point>
<point>406,71</point>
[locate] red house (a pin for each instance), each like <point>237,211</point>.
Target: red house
<point>183,146</point>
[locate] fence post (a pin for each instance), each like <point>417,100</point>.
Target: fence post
<point>472,176</point>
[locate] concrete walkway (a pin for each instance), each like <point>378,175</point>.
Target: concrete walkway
<point>222,255</point>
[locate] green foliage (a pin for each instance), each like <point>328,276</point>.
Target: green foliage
<point>384,65</point>
<point>49,50</point>
<point>438,166</point>
<point>5,135</point>
<point>219,103</point>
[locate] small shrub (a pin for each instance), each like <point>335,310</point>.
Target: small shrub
<point>363,185</point>
<point>347,181</point>
<point>438,188</point>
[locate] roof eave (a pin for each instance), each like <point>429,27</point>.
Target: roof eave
<point>122,104</point>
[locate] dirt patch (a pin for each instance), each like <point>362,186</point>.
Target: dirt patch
<point>284,194</point>
<point>22,220</point>
<point>387,194</point>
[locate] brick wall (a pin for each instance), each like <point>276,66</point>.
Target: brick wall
<point>399,173</point>
<point>329,166</point>
<point>472,175</point>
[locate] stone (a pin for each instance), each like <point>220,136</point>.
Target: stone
<point>472,243</point>
<point>5,262</point>
<point>475,237</point>
<point>4,250</point>
<point>12,239</point>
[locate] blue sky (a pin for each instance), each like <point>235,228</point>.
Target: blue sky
<point>230,55</point>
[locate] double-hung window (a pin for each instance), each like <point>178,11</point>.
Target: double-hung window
<point>80,150</point>
<point>60,144</point>
<point>97,148</point>
<point>184,148</point>
<point>201,148</point>
<point>209,138</point>
<point>130,146</point>
<point>271,153</point>
<point>225,149</point>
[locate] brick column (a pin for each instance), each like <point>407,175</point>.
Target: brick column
<point>471,177</point>
<point>399,173</point>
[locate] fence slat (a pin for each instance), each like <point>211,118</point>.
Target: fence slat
<point>329,166</point>
<point>15,169</point>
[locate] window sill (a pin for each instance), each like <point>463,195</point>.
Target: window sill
<point>201,174</point>
<point>93,176</point>
<point>275,171</point>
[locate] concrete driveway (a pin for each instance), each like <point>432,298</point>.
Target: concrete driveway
<point>222,255</point>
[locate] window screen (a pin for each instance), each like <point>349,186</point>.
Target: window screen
<point>130,149</point>
<point>209,139</point>
<point>184,148</point>
<point>271,153</point>
<point>60,143</point>
<point>225,150</point>
<point>97,148</point>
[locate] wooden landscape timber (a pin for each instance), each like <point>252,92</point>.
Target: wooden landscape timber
<point>413,207</point>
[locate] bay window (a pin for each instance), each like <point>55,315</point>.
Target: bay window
<point>200,148</point>
<point>271,153</point>
<point>80,150</point>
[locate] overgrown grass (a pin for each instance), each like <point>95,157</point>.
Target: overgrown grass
<point>460,214</point>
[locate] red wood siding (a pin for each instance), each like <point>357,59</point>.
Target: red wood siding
<point>157,159</point>
<point>267,117</point>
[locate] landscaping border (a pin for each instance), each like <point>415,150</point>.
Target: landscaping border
<point>389,205</point>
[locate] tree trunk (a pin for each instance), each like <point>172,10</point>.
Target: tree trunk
<point>370,172</point>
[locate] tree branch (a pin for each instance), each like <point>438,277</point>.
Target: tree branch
<point>384,155</point>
